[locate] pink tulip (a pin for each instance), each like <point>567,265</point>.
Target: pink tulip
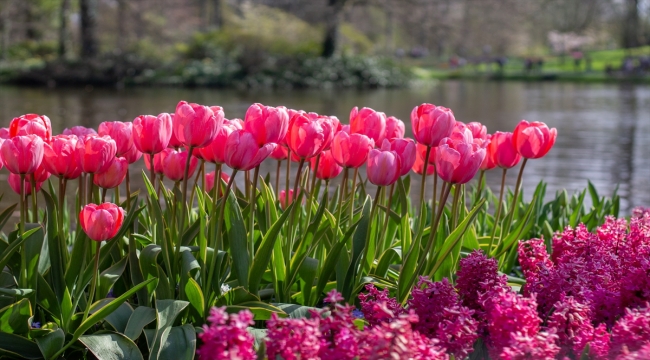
<point>158,161</point>
<point>79,131</point>
<point>384,166</point>
<point>95,153</point>
<point>405,149</point>
<point>458,161</point>
<point>4,133</point>
<point>114,175</point>
<point>132,155</point>
<point>422,152</point>
<point>280,153</point>
<point>533,140</point>
<point>242,151</point>
<point>282,198</point>
<point>59,157</point>
<point>196,125</point>
<point>431,124</point>
<point>418,166</point>
<point>351,150</point>
<point>174,165</point>
<point>31,124</point>
<point>267,124</point>
<point>215,151</point>
<point>488,162</point>
<point>368,122</point>
<point>395,128</point>
<point>22,154</point>
<point>479,131</point>
<point>151,134</point>
<point>119,131</point>
<point>173,140</point>
<point>327,166</point>
<point>14,184</point>
<point>307,137</point>
<point>101,222</point>
<point>209,181</point>
<point>502,150</point>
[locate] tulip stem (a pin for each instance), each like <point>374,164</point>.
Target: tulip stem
<point>277,177</point>
<point>313,179</point>
<point>498,213</point>
<point>454,206</point>
<point>93,283</point>
<point>296,185</point>
<point>341,192</point>
<point>61,201</point>
<point>446,189</point>
<point>117,195</point>
<point>286,183</point>
<point>196,181</point>
<point>184,192</point>
<point>387,219</point>
<point>251,215</point>
<point>479,188</point>
<point>22,204</point>
<point>128,190</point>
<point>366,248</point>
<point>424,179</point>
<point>247,181</point>
<point>352,193</point>
<point>513,207</point>
<point>104,195</point>
<point>152,172</point>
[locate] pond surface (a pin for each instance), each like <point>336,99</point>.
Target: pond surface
<point>604,129</point>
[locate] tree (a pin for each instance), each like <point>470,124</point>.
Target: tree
<point>332,23</point>
<point>631,24</point>
<point>63,27</point>
<point>88,27</point>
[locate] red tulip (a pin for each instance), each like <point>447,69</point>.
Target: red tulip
<point>458,161</point>
<point>502,150</point>
<point>95,153</point>
<point>119,131</point>
<point>173,140</point>
<point>533,140</point>
<point>114,175</point>
<point>14,184</point>
<point>174,165</point>
<point>368,122</point>
<point>405,149</point>
<point>209,181</point>
<point>327,166</point>
<point>151,134</point>
<point>158,161</point>
<point>196,125</point>
<point>395,128</point>
<point>132,155</point>
<point>31,124</point>
<point>282,198</point>
<point>267,124</point>
<point>79,131</point>
<point>4,133</point>
<point>307,137</point>
<point>422,152</point>
<point>215,151</point>
<point>101,222</point>
<point>351,150</point>
<point>384,166</point>
<point>22,154</point>
<point>280,153</point>
<point>431,124</point>
<point>242,151</point>
<point>418,166</point>
<point>488,162</point>
<point>479,131</point>
<point>59,157</point>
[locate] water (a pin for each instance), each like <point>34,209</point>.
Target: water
<point>604,129</point>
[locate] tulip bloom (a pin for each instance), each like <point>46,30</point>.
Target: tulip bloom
<point>151,134</point>
<point>458,161</point>
<point>368,122</point>
<point>384,166</point>
<point>308,137</point>
<point>158,161</point>
<point>488,162</point>
<point>174,165</point>
<point>59,157</point>
<point>95,153</point>
<point>418,166</point>
<point>405,149</point>
<point>114,175</point>
<point>351,150</point>
<point>282,198</point>
<point>31,124</point>
<point>14,184</point>
<point>502,150</point>
<point>132,155</point>
<point>196,125</point>
<point>479,131</point>
<point>209,181</point>
<point>22,154</point>
<point>327,166</point>
<point>79,131</point>
<point>533,140</point>
<point>431,124</point>
<point>267,124</point>
<point>215,152</point>
<point>422,152</point>
<point>4,133</point>
<point>101,222</point>
<point>280,153</point>
<point>119,131</point>
<point>395,128</point>
<point>242,151</point>
<point>173,140</point>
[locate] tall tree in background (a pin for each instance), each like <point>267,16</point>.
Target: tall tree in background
<point>216,20</point>
<point>88,29</point>
<point>63,27</point>
<point>631,24</point>
<point>332,23</point>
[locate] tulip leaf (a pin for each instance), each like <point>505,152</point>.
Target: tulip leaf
<point>46,299</point>
<point>260,310</point>
<point>49,344</point>
<point>14,319</point>
<point>236,230</point>
<point>111,346</point>
<point>330,263</point>
<point>149,266</point>
<point>358,246</point>
<point>119,318</point>
<point>180,343</point>
<point>6,214</point>
<point>56,246</point>
<point>141,317</point>
<point>166,313</point>
<point>195,297</point>
<point>108,277</point>
<point>18,347</point>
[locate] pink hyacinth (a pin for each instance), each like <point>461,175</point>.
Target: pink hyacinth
<point>510,314</point>
<point>293,339</point>
<point>523,347</point>
<point>226,337</point>
<point>632,331</point>
<point>571,321</point>
<point>374,301</point>
<point>474,271</point>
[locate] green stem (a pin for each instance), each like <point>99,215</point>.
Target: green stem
<point>196,181</point>
<point>104,191</point>
<point>454,206</point>
<point>446,188</point>
<point>423,182</point>
<point>364,254</point>
<point>152,172</point>
<point>184,192</point>
<point>313,180</point>
<point>22,204</point>
<point>91,189</point>
<point>93,283</point>
<point>117,195</point>
<point>287,180</point>
<point>277,177</point>
<point>513,206</point>
<point>479,188</point>
<point>62,239</point>
<point>384,229</point>
<point>352,194</point>
<point>340,202</point>
<point>32,182</point>
<point>251,216</point>
<point>497,215</point>
<point>128,191</point>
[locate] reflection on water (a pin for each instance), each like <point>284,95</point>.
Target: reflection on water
<point>603,128</point>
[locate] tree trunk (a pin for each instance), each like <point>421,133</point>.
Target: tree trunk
<point>217,15</point>
<point>88,28</point>
<point>333,21</point>
<point>63,27</point>
<point>631,24</point>
<point>30,31</point>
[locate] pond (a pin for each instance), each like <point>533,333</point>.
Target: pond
<point>604,129</point>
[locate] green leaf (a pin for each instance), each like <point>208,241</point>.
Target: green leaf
<point>149,266</point>
<point>31,252</point>
<point>51,343</point>
<point>6,214</point>
<point>330,263</point>
<point>5,257</point>
<point>167,311</point>
<point>523,226</point>
<point>358,246</point>
<point>141,317</point>
<point>16,346</point>
<point>308,270</point>
<point>56,246</point>
<point>14,319</point>
<point>195,297</point>
<point>111,346</point>
<point>119,318</point>
<point>294,311</point>
<point>236,231</point>
<point>260,310</point>
<point>108,277</point>
<point>180,343</point>
<point>575,216</point>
